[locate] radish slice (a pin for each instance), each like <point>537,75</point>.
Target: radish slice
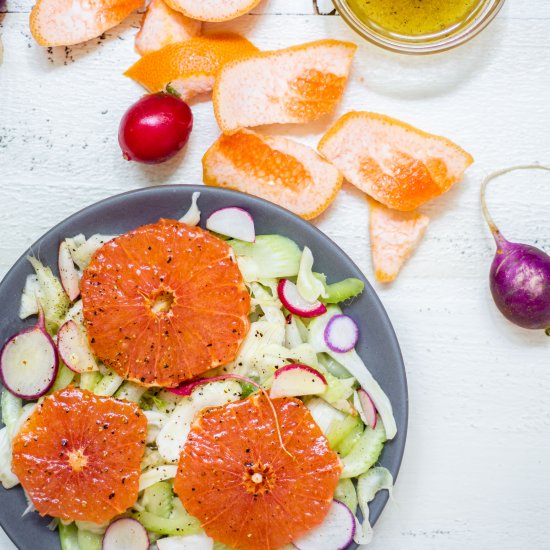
<point>74,349</point>
<point>67,272</point>
<point>335,533</point>
<point>190,542</point>
<point>341,333</point>
<point>297,379</point>
<point>125,533</point>
<point>233,222</point>
<point>295,303</point>
<point>364,405</point>
<point>29,362</point>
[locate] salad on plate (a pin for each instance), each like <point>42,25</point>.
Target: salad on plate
<point>188,388</point>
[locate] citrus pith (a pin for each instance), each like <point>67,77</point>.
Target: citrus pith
<point>164,303</point>
<point>246,489</point>
<point>78,455</point>
<point>275,168</point>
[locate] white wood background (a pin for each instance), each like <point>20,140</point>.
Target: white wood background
<point>476,472</point>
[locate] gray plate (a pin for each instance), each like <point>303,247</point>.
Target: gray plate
<point>378,345</point>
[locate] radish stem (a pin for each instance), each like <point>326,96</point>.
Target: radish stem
<point>499,239</point>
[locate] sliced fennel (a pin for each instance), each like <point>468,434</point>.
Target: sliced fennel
<point>340,430</point>
<point>309,286</point>
<point>179,523</point>
<point>12,408</point>
<point>130,391</point>
<point>52,297</point>
<point>158,499</point>
<point>365,452</point>
<point>173,435</point>
<point>64,377</point>
<point>345,492</point>
<point>368,485</point>
<point>343,290</point>
<point>29,298</point>
<point>193,215</point>
<point>156,474</point>
<point>355,366</point>
<point>89,380</point>
<point>155,422</point>
<point>269,303</point>
<point>275,256</point>
<point>88,540</point>
<point>189,542</point>
<point>325,415</point>
<point>83,254</point>
<point>7,477</point>
<point>109,384</point>
<point>68,536</point>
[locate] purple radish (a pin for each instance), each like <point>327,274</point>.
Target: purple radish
<point>297,379</point>
<point>29,361</point>
<point>341,333</point>
<point>365,406</point>
<point>520,273</point>
<point>124,534</point>
<point>335,533</point>
<point>74,349</point>
<point>295,303</point>
<point>232,222</point>
<point>68,274</point>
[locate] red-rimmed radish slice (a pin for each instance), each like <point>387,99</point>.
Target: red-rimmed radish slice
<point>187,388</point>
<point>295,303</point>
<point>124,534</point>
<point>232,222</point>
<point>74,349</point>
<point>29,362</point>
<point>335,533</point>
<point>189,542</point>
<point>67,272</point>
<point>341,333</point>
<point>364,405</point>
<point>297,379</point>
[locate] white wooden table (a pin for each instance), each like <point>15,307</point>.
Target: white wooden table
<point>476,472</point>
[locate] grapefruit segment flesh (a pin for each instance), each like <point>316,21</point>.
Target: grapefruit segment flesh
<point>190,67</point>
<point>161,26</point>
<point>236,478</point>
<point>394,236</point>
<point>294,85</point>
<point>275,168</point>
<point>213,10</point>
<point>164,303</point>
<point>78,455</point>
<point>393,162</point>
<point>67,22</point>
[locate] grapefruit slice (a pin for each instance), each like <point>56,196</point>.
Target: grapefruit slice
<point>294,85</point>
<point>213,10</point>
<point>78,455</point>
<point>66,22</point>
<point>164,303</point>
<point>393,162</point>
<point>161,26</point>
<point>274,168</point>
<point>237,479</point>
<point>189,67</point>
<point>394,236</point>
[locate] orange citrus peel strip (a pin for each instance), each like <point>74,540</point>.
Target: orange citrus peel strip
<point>293,85</point>
<point>275,168</point>
<point>393,162</point>
<point>67,22</point>
<point>189,67</point>
<point>161,26</point>
<point>213,10</point>
<point>394,236</point>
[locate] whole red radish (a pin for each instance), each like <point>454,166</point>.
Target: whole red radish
<point>520,273</point>
<point>155,128</point>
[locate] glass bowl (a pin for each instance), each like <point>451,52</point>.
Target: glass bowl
<point>484,12</point>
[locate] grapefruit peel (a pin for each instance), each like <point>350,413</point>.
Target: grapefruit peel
<point>392,161</point>
<point>275,168</point>
<point>294,85</point>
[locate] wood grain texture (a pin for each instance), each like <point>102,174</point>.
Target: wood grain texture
<point>476,471</point>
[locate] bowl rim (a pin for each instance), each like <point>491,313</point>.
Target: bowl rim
<point>416,45</point>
